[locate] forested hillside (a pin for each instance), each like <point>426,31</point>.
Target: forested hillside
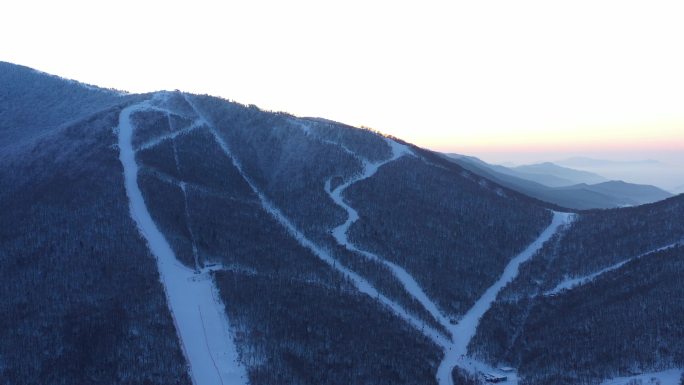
<point>34,103</point>
<point>170,238</point>
<point>80,297</point>
<point>601,300</point>
<point>467,230</point>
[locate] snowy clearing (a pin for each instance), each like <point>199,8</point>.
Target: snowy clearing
<point>571,283</point>
<point>198,314</point>
<point>666,377</point>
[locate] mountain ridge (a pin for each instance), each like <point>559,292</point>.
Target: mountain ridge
<point>568,176</point>
<point>580,196</point>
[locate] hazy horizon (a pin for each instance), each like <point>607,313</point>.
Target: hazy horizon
<point>667,173</point>
<point>507,82</point>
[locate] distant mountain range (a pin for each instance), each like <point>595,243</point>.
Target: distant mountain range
<point>581,161</point>
<point>553,175</point>
<point>666,175</point>
<point>564,186</point>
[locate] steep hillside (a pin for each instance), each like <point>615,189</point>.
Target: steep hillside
<point>34,102</point>
<point>80,296</point>
<point>577,312</point>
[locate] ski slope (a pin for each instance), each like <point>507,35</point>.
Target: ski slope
<point>340,232</point>
<point>455,354</point>
<point>359,282</point>
<point>571,283</point>
<point>199,316</point>
<point>466,328</point>
<point>454,348</point>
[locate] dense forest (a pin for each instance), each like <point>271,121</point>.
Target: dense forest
<point>81,300</point>
<point>624,320</point>
<point>288,307</point>
<point>34,103</point>
<point>465,230</point>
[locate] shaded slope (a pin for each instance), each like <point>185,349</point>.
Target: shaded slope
<point>621,319</point>
<point>32,102</point>
<point>464,227</point>
<point>584,328</point>
<point>80,297</point>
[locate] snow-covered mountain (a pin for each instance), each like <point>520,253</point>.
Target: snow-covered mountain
<point>170,238</point>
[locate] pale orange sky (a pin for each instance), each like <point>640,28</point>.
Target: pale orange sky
<point>483,78</point>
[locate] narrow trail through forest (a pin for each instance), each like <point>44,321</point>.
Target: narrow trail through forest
<point>455,353</point>
<point>571,283</point>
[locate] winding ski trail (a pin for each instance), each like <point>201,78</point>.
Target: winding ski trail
<point>455,354</point>
<point>340,232</point>
<point>454,346</point>
<point>359,282</point>
<point>198,314</point>
<point>571,283</point>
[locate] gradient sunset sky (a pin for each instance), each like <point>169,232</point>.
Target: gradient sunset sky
<point>511,81</point>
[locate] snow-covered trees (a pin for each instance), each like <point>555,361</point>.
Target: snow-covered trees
<point>81,302</point>
<point>80,297</point>
<point>34,102</point>
<point>448,231</point>
<point>621,321</point>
